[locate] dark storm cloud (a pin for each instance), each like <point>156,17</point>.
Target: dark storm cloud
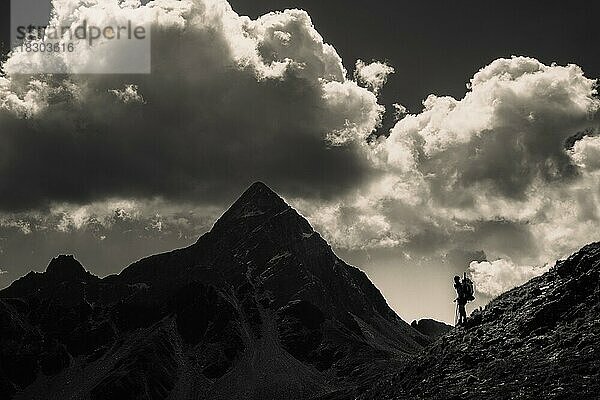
<point>207,121</point>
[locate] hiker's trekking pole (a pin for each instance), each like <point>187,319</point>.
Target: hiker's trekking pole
<point>456,314</point>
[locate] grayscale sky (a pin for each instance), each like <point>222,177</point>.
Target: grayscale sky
<point>422,139</point>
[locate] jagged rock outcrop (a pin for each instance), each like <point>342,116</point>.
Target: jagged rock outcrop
<point>258,308</point>
<point>537,341</point>
<point>431,328</point>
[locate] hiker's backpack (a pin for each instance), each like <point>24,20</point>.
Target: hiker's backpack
<point>469,288</point>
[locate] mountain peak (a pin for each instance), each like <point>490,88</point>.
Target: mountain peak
<point>262,291</point>
<point>65,267</point>
<point>259,194</point>
<point>256,201</point>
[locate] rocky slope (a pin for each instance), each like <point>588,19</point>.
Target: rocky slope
<point>537,341</point>
<point>259,308</point>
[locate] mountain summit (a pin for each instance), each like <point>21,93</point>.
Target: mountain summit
<point>257,201</point>
<point>65,267</point>
<point>259,307</point>
<point>63,270</point>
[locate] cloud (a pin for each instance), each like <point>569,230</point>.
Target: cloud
<point>13,221</point>
<point>373,75</point>
<point>129,94</point>
<point>496,277</point>
<point>496,171</point>
<point>230,100</point>
<point>101,218</point>
<point>507,133</point>
<point>586,153</point>
<point>106,235</point>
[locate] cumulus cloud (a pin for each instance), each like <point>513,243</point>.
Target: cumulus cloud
<point>495,277</point>
<point>507,133</point>
<point>399,111</point>
<point>373,75</point>
<point>586,153</point>
<point>508,170</point>
<point>230,100</point>
<point>129,94</point>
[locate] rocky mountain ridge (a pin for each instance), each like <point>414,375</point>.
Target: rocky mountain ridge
<point>259,307</point>
<point>537,341</point>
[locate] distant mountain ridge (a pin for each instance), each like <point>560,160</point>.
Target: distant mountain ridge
<point>259,307</point>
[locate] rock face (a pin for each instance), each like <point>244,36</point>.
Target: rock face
<point>258,308</point>
<point>537,341</point>
<point>432,328</point>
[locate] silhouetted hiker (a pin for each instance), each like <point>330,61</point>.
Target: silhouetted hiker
<point>464,292</point>
<point>461,301</point>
